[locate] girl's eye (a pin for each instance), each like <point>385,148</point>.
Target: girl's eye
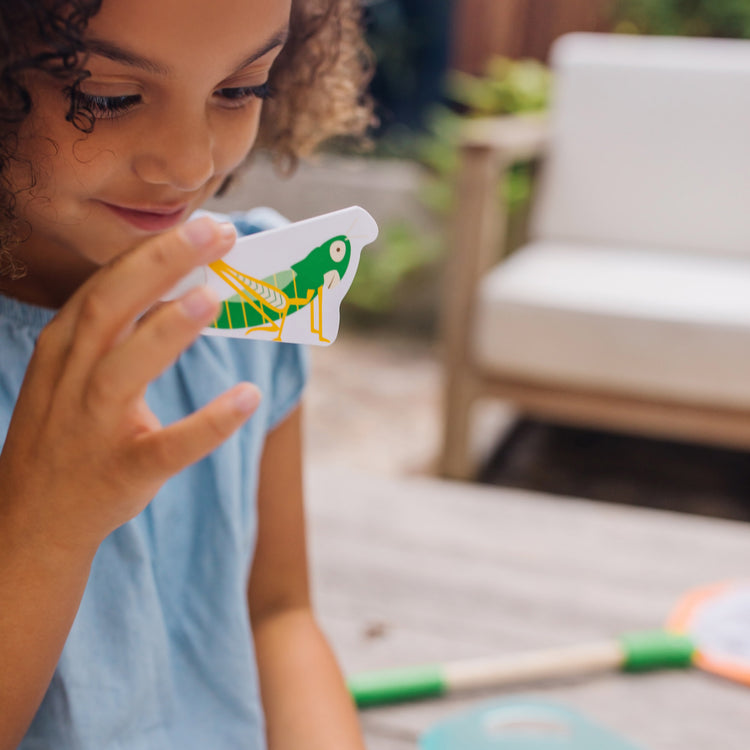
<point>237,96</point>
<point>106,107</point>
<point>109,107</point>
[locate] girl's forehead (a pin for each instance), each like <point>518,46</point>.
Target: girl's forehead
<point>168,33</point>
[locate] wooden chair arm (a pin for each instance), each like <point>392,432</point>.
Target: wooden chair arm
<point>513,137</point>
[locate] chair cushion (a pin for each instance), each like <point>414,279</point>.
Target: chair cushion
<point>644,322</point>
<point>649,144</point>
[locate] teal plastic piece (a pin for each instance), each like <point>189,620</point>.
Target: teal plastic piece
<point>521,724</point>
<point>391,685</point>
<point>656,649</point>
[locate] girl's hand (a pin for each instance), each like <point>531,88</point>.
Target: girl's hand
<point>84,453</point>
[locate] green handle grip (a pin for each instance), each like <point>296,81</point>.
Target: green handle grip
<point>658,649</point>
<point>392,685</point>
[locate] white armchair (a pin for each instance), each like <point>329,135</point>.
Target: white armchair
<point>629,307</point>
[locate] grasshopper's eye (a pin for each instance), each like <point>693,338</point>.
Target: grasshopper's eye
<point>338,250</point>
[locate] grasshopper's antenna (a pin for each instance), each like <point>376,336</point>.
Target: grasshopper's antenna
<point>352,225</point>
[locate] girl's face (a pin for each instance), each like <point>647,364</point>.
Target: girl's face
<point>176,87</point>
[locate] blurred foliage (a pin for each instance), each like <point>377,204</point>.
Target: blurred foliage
<point>508,87</point>
<point>380,273</point>
<point>715,18</point>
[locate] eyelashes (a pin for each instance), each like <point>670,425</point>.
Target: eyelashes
<point>104,107</point>
<point>243,93</point>
<point>110,107</point>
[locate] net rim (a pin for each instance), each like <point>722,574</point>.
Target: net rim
<point>683,616</point>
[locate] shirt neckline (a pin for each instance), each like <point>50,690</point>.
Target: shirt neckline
<point>25,314</point>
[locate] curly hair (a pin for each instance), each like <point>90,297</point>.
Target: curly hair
<point>319,82</point>
<point>321,77</point>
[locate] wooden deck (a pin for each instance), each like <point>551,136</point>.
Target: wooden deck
<point>419,570</point>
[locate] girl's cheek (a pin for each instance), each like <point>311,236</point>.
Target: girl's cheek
<point>236,140</point>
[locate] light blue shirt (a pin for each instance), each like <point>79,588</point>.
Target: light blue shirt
<point>160,655</point>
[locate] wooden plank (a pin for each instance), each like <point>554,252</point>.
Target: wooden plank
<point>486,27</point>
<point>546,20</point>
<point>408,571</point>
<point>519,28</point>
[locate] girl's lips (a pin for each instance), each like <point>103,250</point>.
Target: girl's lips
<point>148,221</point>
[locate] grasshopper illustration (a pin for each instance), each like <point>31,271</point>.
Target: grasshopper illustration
<point>269,276</point>
<point>263,304</point>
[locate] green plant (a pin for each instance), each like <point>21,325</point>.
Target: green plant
<point>717,18</point>
<point>508,87</point>
<point>380,273</point>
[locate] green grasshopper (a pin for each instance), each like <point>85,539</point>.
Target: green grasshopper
<point>263,304</point>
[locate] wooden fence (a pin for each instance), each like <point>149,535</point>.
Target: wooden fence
<point>519,28</point>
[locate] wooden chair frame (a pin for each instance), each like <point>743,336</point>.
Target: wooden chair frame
<point>488,149</point>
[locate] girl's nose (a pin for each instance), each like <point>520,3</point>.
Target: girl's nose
<point>179,155</point>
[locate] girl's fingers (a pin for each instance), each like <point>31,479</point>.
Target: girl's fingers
<point>154,345</point>
<point>161,454</point>
<point>107,304</point>
<point>102,311</point>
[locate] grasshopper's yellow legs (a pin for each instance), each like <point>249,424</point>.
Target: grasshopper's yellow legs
<point>319,329</point>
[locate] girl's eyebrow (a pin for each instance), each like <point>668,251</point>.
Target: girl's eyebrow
<point>119,54</point>
<point>276,40</point>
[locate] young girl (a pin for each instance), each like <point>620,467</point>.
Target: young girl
<point>153,581</point>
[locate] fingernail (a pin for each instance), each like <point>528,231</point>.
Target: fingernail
<point>199,303</point>
<point>200,232</point>
<point>227,231</point>
<point>247,399</point>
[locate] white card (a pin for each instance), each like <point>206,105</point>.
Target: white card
<point>287,284</point>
